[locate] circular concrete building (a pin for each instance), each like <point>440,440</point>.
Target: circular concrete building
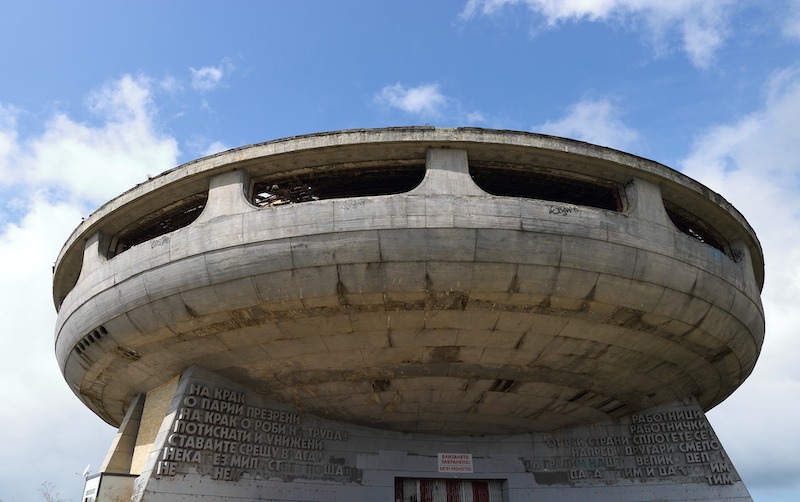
<point>434,282</point>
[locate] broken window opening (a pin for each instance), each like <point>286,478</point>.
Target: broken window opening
<point>160,222</point>
<point>316,185</point>
<point>694,227</point>
<point>509,181</point>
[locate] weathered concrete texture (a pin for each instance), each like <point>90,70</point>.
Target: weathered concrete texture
<point>119,459</point>
<point>440,310</point>
<point>152,415</point>
<point>221,442</point>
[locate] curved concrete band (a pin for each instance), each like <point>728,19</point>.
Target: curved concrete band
<point>443,309</point>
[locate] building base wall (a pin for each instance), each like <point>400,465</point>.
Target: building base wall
<point>221,442</point>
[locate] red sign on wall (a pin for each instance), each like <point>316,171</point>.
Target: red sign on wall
<point>455,462</point>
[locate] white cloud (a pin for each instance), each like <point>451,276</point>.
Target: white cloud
<point>53,432</point>
<point>475,118</point>
<point>52,180</point>
<point>755,164</point>
<point>702,24</point>
<point>215,147</point>
<point>202,146</point>
<point>791,21</point>
<point>594,121</point>
<point>8,138</point>
<point>425,100</point>
<point>207,78</point>
<point>170,85</point>
<point>90,163</point>
<point>8,117</point>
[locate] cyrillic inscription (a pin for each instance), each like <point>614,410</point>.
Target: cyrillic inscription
<point>217,433</point>
<point>656,446</point>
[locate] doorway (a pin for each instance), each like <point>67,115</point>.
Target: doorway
<point>448,490</point>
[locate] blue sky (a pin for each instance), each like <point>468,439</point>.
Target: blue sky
<point>96,96</point>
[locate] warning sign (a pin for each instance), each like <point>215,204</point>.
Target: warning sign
<point>455,462</point>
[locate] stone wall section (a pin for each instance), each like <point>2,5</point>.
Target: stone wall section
<point>156,406</point>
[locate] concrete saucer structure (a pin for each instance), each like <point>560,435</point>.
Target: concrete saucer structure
<point>412,314</point>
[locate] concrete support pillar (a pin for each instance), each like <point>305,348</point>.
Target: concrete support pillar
<point>741,255</point>
<point>645,202</point>
<point>94,253</point>
<point>119,456</point>
<point>226,195</point>
<point>447,172</point>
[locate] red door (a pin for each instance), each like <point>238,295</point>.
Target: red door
<point>447,490</point>
<point>480,491</point>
